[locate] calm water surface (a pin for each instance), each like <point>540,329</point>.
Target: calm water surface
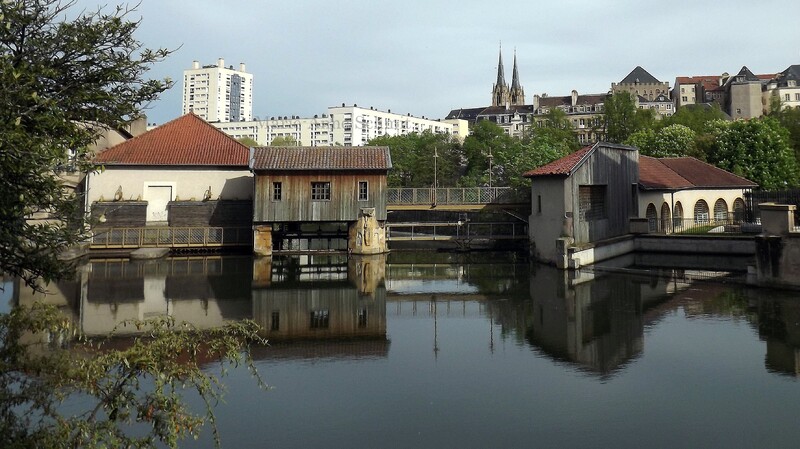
<point>480,350</point>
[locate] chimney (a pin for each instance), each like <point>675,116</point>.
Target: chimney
<point>195,64</point>
<point>574,97</point>
<point>535,102</point>
<point>221,63</point>
<point>241,67</point>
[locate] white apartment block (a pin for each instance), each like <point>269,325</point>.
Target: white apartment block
<point>342,125</point>
<point>218,94</point>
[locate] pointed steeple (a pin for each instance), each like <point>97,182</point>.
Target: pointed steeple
<point>517,93</point>
<point>500,94</point>
<point>515,75</point>
<point>501,77</point>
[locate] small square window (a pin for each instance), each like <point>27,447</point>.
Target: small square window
<point>363,191</point>
<point>320,319</point>
<point>321,191</point>
<point>277,191</point>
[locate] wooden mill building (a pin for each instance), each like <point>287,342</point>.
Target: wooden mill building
<point>320,198</point>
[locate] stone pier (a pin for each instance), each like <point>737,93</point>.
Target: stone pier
<point>367,235</point>
<point>262,240</point>
<point>778,247</point>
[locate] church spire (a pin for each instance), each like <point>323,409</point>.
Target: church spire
<point>517,93</point>
<point>500,92</point>
<point>501,77</point>
<point>515,76</point>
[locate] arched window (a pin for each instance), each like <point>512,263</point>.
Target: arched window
<point>652,217</point>
<point>665,218</point>
<point>677,217</point>
<point>700,211</point>
<point>738,209</point>
<point>720,210</point>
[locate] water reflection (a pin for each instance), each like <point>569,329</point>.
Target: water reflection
<point>315,306</point>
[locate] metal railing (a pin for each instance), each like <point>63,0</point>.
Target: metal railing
<point>423,231</point>
<point>698,226</point>
<point>170,237</point>
<point>453,195</point>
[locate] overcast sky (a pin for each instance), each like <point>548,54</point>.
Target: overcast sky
<point>427,57</point>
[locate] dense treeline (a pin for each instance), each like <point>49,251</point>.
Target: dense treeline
<point>765,150</point>
<point>488,156</point>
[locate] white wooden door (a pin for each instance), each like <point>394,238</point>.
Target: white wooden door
<point>157,198</point>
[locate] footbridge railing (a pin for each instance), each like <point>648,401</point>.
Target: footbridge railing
<point>170,237</point>
<point>407,196</point>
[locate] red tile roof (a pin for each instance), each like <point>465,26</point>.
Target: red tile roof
<point>563,166</point>
<point>187,140</point>
<point>321,158</point>
<point>675,173</point>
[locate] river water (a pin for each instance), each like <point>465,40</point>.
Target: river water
<point>475,350</point>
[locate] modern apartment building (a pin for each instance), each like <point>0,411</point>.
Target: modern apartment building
<point>341,125</point>
<point>218,94</point>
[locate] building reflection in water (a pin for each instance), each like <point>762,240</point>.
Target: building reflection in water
<point>595,322</point>
<point>293,298</point>
<point>334,305</point>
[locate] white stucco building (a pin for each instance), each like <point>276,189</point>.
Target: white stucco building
<point>678,192</point>
<point>217,93</point>
<point>341,125</point>
<point>183,162</point>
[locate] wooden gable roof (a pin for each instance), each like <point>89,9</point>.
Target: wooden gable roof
<point>321,158</point>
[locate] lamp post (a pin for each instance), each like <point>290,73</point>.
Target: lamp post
<point>490,167</point>
<point>435,168</point>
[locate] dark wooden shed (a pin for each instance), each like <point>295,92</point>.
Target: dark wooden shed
<point>301,185</point>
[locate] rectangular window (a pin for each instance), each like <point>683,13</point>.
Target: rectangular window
<point>362,317</point>
<point>321,191</point>
<point>592,202</point>
<point>320,319</point>
<point>277,191</point>
<point>787,97</point>
<point>796,97</point>
<point>363,191</point>
<point>276,320</point>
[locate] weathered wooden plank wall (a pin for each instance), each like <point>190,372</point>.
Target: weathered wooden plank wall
<point>617,169</point>
<point>296,204</point>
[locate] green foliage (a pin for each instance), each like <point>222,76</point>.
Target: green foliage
<point>758,150</point>
<point>131,396</point>
<point>413,161</point>
<point>790,119</point>
<point>248,141</point>
<point>695,117</point>
<point>62,82</point>
<point>671,141</point>
<point>620,116</point>
<point>486,139</point>
<point>284,141</point>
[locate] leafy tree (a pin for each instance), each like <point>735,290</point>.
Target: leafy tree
<point>620,116</point>
<point>62,82</point>
<point>485,141</point>
<point>413,163</point>
<point>284,141</point>
<point>695,117</point>
<point>790,119</point>
<point>106,379</point>
<point>541,148</point>
<point>671,141</point>
<point>248,141</point>
<point>758,150</point>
